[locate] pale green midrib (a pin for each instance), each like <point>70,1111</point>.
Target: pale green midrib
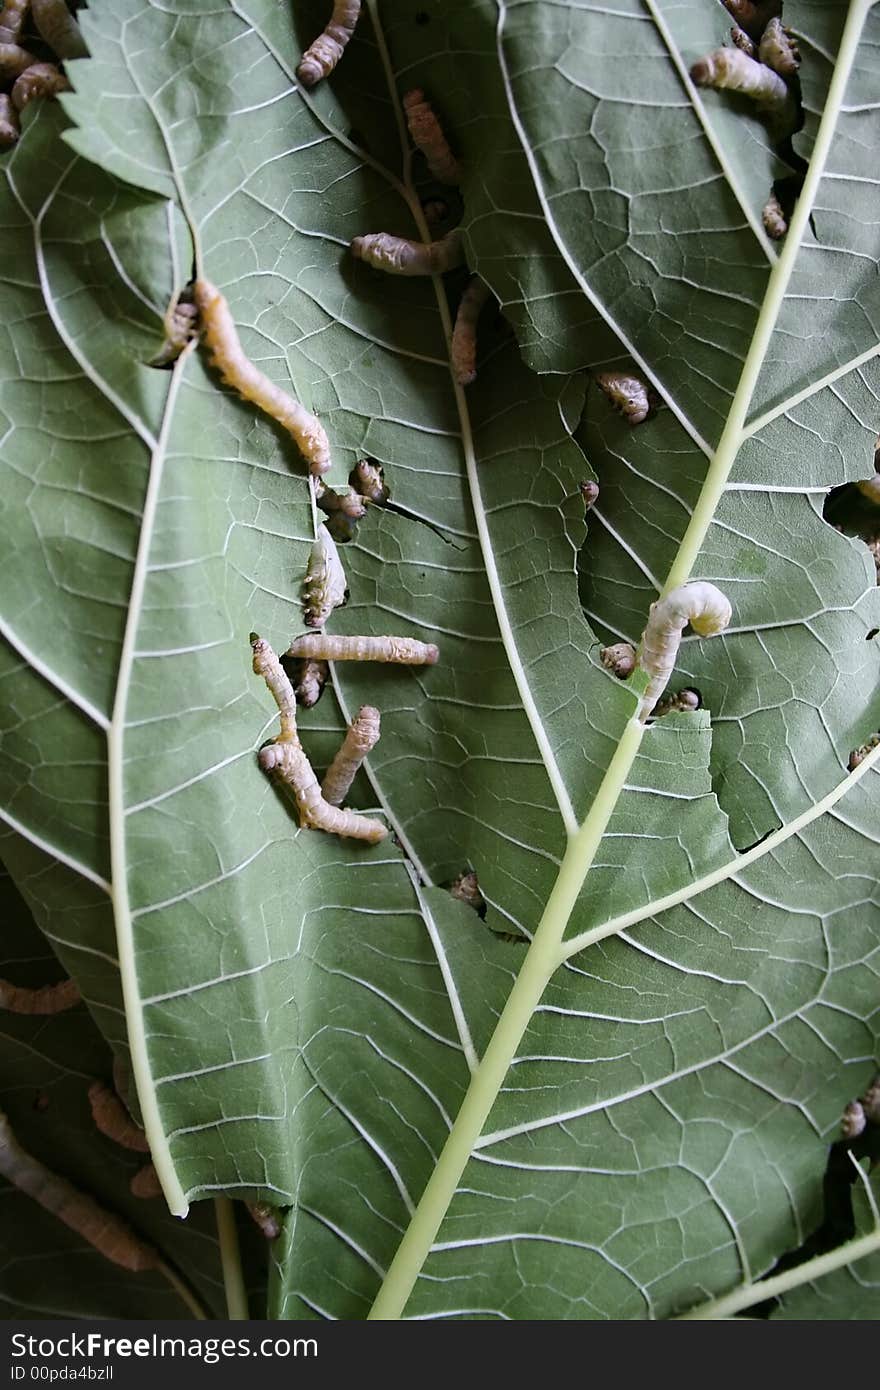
<point>137,1041</point>
<point>230,1260</point>
<point>750,1294</point>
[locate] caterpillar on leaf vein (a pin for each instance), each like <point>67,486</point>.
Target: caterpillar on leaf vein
<point>699,603</point>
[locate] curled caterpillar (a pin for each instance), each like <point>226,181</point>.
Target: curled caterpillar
<point>236,370</point>
<point>113,1120</point>
<point>48,999</point>
<point>398,256</point>
<point>181,323</point>
<point>854,1121</point>
<point>309,679</point>
<point>287,760</point>
<point>58,27</point>
<point>753,15</point>
<point>368,479</point>
<point>729,69</point>
<point>115,1240</point>
<point>681,702</point>
<point>321,57</point>
<point>427,136</point>
<point>778,49</point>
<point>361,738</point>
<point>464,334</point>
<point>324,587</point>
<point>627,394</point>
<point>870,487</point>
<point>405,651</point>
<point>12,19</point>
<point>740,39</point>
<point>145,1184</point>
<point>619,659</point>
<point>10,130</point>
<point>774,219</point>
<point>590,493</point>
<point>699,603</point>
<point>39,80</point>
<point>14,60</point>
<point>858,755</point>
<point>350,503</point>
<point>466,889</point>
<point>266,1218</point>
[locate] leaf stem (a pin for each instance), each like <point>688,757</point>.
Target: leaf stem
<point>230,1259</point>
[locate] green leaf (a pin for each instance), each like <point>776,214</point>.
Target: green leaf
<point>624,1109</point>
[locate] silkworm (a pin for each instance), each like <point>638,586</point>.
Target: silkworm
<point>853,1122</point>
<point>113,1238</point>
<point>237,371</point>
<point>774,219</point>
<point>858,755</point>
<point>181,325</point>
<point>681,702</point>
<point>145,1184</point>
<point>436,210</point>
<point>15,60</point>
<point>627,394</point>
<point>37,81</point>
<point>10,130</point>
<point>308,682</point>
<point>266,1218</point>
<point>778,49</point>
<point>48,999</point>
<point>871,1101</point>
<point>398,256</point>
<point>753,15</point>
<point>729,69</point>
<point>361,737</point>
<point>59,28</point>
<point>369,480</point>
<point>427,136</point>
<point>870,487</point>
<point>11,20</point>
<point>341,527</point>
<point>324,587</point>
<point>321,57</point>
<point>113,1120</point>
<point>740,39</point>
<point>464,334</point>
<point>287,760</point>
<point>350,503</point>
<point>619,659</point>
<point>466,889</point>
<point>590,494</point>
<point>699,603</point>
<point>405,651</point>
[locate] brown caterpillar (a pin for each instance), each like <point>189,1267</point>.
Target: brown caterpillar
<point>740,39</point>
<point>590,493</point>
<point>321,57</point>
<point>620,659</point>
<point>774,219</point>
<point>369,480</point>
<point>858,755</point>
<point>361,738</point>
<point>59,28</point>
<point>464,334</point>
<point>703,606</point>
<point>871,1101</point>
<point>341,527</point>
<point>350,503</point>
<point>427,136</point>
<point>10,130</point>
<point>324,587</point>
<point>113,1120</point>
<point>681,702</point>
<point>49,999</point>
<point>753,15</point>
<point>853,1122</point>
<point>627,394</point>
<point>398,256</point>
<point>731,70</point>
<point>309,680</point>
<point>39,80</point>
<point>145,1184</point>
<point>236,370</point>
<point>115,1240</point>
<point>266,1218</point>
<point>14,60</point>
<point>181,325</point>
<point>285,757</point>
<point>870,487</point>
<point>778,49</point>
<point>466,889</point>
<point>12,19</point>
<point>406,651</point>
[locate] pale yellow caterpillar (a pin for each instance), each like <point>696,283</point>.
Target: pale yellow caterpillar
<point>285,757</point>
<point>774,219</point>
<point>145,1184</point>
<point>324,587</point>
<point>39,80</point>
<point>48,999</point>
<point>59,28</point>
<point>699,603</point>
<point>11,20</point>
<point>181,325</point>
<point>14,60</point>
<point>627,394</point>
<point>854,1121</point>
<point>321,57</point>
<point>308,682</point>
<point>113,1120</point>
<point>729,69</point>
<point>350,503</point>
<point>740,39</point>
<point>369,480</point>
<point>619,659</point>
<point>464,334</point>
<point>10,130</point>
<point>361,737</point>
<point>398,256</point>
<point>778,49</point>
<point>115,1240</point>
<point>427,136</point>
<point>236,370</point>
<point>266,1218</point>
<point>406,651</point>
